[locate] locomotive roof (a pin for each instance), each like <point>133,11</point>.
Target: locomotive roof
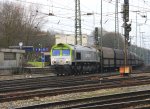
<point>83,48</point>
<point>77,47</point>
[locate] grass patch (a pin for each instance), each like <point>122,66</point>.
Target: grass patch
<point>36,64</point>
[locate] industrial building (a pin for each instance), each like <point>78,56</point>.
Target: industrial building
<point>70,39</point>
<point>10,59</point>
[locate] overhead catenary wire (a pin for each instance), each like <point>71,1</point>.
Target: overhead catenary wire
<point>70,10</point>
<point>56,7</point>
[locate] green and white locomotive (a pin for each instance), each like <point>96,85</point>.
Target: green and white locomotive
<point>74,58</point>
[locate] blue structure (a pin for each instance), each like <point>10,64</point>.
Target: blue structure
<point>26,48</point>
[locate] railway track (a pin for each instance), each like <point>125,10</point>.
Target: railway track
<point>19,82</point>
<point>30,84</point>
<point>41,82</point>
<point>88,86</point>
<point>125,100</point>
<point>50,81</point>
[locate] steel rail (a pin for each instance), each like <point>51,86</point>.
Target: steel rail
<point>103,102</point>
<point>64,90</point>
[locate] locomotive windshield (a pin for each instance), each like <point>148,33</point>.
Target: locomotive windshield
<point>56,53</point>
<point>66,52</point>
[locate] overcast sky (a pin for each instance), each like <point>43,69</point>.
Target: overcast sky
<point>63,19</point>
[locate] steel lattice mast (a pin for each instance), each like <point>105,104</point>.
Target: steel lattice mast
<point>116,39</point>
<point>78,33</point>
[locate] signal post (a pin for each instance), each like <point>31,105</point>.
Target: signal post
<point>127,29</point>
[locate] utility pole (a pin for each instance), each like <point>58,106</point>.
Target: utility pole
<point>101,40</point>
<point>116,39</point>
<point>141,44</point>
<point>127,29</point>
<point>136,34</point>
<point>136,31</point>
<point>78,33</point>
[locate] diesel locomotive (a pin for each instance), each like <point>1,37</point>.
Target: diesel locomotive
<point>70,59</point>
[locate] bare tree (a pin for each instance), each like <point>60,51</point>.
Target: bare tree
<point>11,21</point>
<point>33,22</point>
<point>108,40</point>
<point>19,24</point>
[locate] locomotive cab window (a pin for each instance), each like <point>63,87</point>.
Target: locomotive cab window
<point>78,56</point>
<point>66,52</point>
<point>56,53</point>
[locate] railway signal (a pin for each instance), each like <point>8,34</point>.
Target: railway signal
<point>126,12</point>
<point>96,37</point>
<point>127,29</point>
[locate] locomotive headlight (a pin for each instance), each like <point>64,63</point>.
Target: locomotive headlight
<point>67,60</point>
<point>53,61</point>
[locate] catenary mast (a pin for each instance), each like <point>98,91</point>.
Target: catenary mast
<point>78,33</point>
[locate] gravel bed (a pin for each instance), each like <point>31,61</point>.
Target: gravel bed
<point>27,75</point>
<point>139,106</point>
<point>22,76</point>
<point>37,100</point>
